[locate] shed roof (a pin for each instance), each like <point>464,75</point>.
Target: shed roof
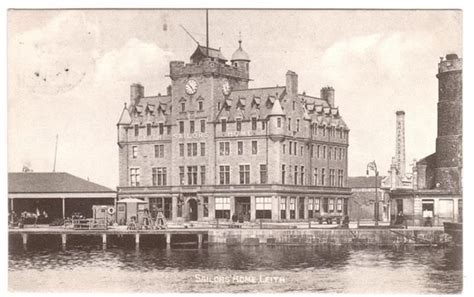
<point>51,182</point>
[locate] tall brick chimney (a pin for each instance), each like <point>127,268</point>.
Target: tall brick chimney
<point>400,143</point>
<point>327,93</point>
<point>137,91</point>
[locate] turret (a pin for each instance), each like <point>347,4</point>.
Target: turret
<point>122,124</point>
<point>276,122</point>
<point>241,60</point>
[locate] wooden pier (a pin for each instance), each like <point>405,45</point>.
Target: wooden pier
<point>104,234</point>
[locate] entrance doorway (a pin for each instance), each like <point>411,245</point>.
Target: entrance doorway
<point>242,208</point>
<point>192,209</point>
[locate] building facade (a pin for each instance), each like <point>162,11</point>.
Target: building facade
<point>212,147</point>
<point>435,195</point>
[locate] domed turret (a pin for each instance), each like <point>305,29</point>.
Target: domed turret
<point>241,60</point>
<point>240,54</point>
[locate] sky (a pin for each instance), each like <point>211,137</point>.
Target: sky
<point>69,74</point>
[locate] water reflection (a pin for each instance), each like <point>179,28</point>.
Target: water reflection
<point>329,269</point>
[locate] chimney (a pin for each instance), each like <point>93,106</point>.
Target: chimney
<point>168,90</point>
<point>327,94</point>
<point>292,83</point>
<point>137,91</point>
<point>400,142</point>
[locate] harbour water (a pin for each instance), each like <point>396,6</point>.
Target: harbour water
<point>341,269</point>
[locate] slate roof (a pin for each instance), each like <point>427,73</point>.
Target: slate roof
<point>51,182</point>
<point>201,51</point>
<point>363,181</point>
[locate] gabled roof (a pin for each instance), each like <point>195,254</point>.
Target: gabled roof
<point>125,118</point>
<point>363,181</point>
<point>201,51</point>
<point>51,182</point>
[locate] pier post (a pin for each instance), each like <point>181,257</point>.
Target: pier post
<point>168,240</point>
<point>63,239</point>
<point>137,239</point>
<point>200,241</point>
<point>24,236</point>
<point>104,240</point>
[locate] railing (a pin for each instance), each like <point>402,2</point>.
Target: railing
<point>86,224</point>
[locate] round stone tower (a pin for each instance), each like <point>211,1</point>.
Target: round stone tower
<point>449,141</point>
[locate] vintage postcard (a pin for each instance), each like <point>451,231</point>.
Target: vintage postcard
<point>216,150</point>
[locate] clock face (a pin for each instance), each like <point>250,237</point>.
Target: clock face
<point>226,87</point>
<point>191,87</point>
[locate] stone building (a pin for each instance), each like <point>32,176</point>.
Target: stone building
<point>362,202</point>
<point>435,195</point>
<point>212,147</point>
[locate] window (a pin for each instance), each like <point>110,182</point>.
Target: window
<point>294,147</point>
<point>168,130</point>
<point>302,175</point>
<point>240,147</point>
<point>224,148</point>
<point>222,208</point>
<point>191,126</point>
<point>332,177</point>
<point>290,146</point>
<point>181,175</point>
<point>192,175</point>
<point>137,130</point>
<point>289,124</point>
<point>159,176</point>
<point>283,174</point>
<point>325,204</point>
<point>134,152</point>
<point>301,208</point>
<point>254,123</point>
<point>279,122</point>
<point>294,105</point>
<point>203,148</point>
<point>283,208</point>
<point>339,205</point>
<point>148,129</point>
<point>203,175</point>
<point>160,128</point>
<point>316,204</point>
<point>324,130</point>
<point>254,147</point>
<point>284,148</point>
<point>263,173</point>
<point>159,151</point>
<point>244,172</point>
<point>181,127</point>
<point>315,176</point>
<point>224,174</point>
<point>331,205</point>
<point>205,206</point>
<point>292,208</point>
<point>200,106</point>
<point>311,152</point>
<point>180,206</point>
<point>183,107</point>
<point>203,126</point>
<point>238,124</point>
<point>301,150</point>
<point>263,207</point>
<point>317,151</point>
<point>190,149</point>
<point>297,125</point>
<point>135,177</point>
<point>310,208</point>
<point>329,152</point>
<point>223,125</point>
<point>296,175</point>
<point>340,178</point>
<point>218,106</point>
<point>324,152</point>
<point>181,149</point>
<point>323,176</point>
<point>263,125</point>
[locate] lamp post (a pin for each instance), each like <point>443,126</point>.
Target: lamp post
<point>373,167</point>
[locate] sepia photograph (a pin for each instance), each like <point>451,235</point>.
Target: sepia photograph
<point>235,151</point>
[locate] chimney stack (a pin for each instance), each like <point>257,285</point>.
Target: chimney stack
<point>292,83</point>
<point>400,143</point>
<point>137,91</point>
<point>327,94</point>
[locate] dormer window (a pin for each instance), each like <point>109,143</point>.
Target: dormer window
<point>238,124</point>
<point>183,107</point>
<point>223,125</point>
<point>136,128</point>
<point>254,123</point>
<point>200,106</point>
